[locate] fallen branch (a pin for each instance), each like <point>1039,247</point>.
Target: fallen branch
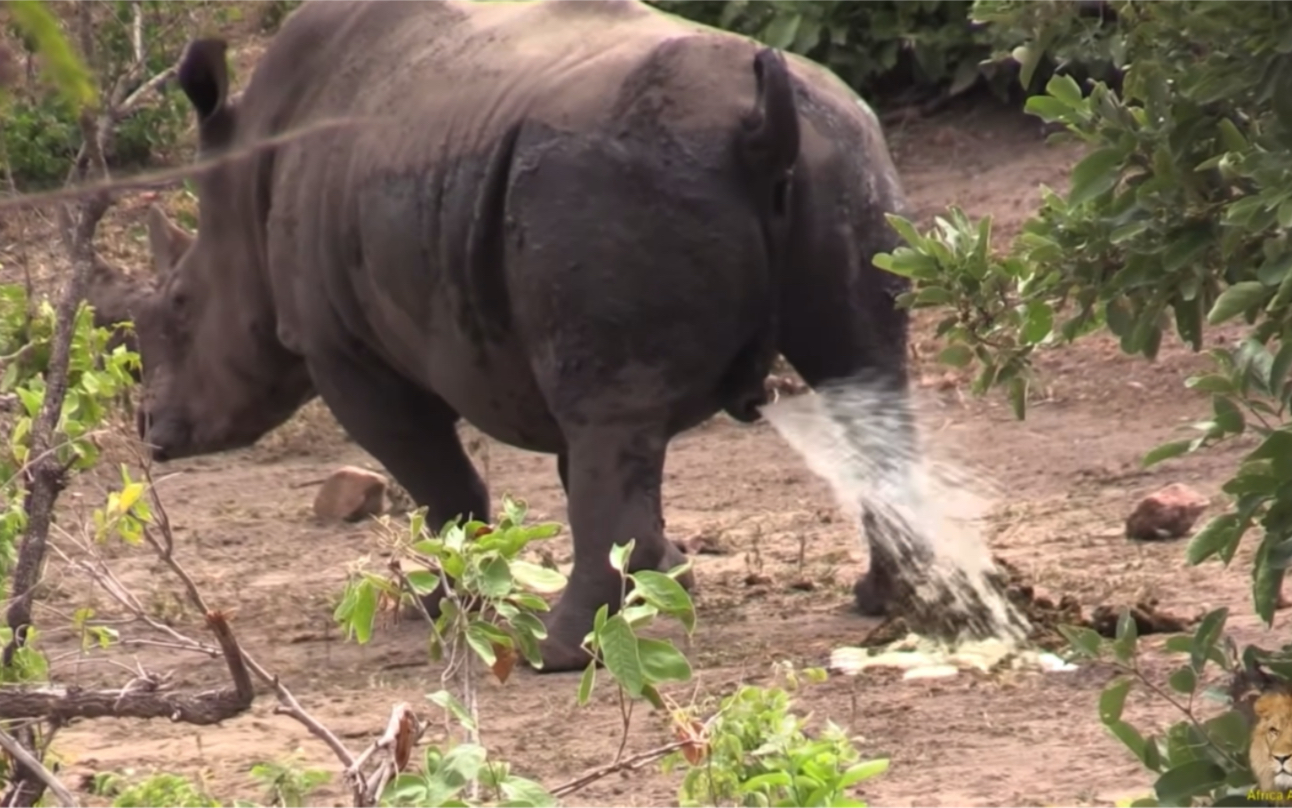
<point>143,697</point>
<point>628,764</point>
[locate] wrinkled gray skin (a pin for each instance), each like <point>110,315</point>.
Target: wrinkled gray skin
<point>572,224</point>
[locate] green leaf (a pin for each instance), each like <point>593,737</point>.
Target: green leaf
<point>481,643</point>
<point>362,611</point>
<point>537,579</point>
<point>495,578</point>
<point>1132,740</point>
<point>1231,137</point>
<point>1018,396</point>
<point>69,73</point>
<point>1218,532</point>
<point>1230,730</point>
<point>586,682</point>
<point>618,646</point>
<point>1166,451</point>
<point>908,264</point>
<point>619,555</point>
<point>1095,175</point>
<point>448,702</point>
<point>1046,108</point>
<point>1065,89</point>
<point>782,30</point>
<point>763,782</point>
<point>1205,636</point>
<point>667,595</point>
<point>1236,300</point>
<point>461,764</point>
<point>1210,383</point>
<point>1127,232</point>
<point>1085,641</point>
<point>1028,57</point>
<point>661,662</point>
<point>934,296</point>
<point>1185,248</point>
<point>1179,785</point>
<point>1126,636</point>
<point>1113,699</point>
<point>905,229</point>
<point>423,582</point>
<point>1183,680</point>
<point>1279,367</point>
<point>1038,322</point>
<point>1227,415</point>
<point>958,356</point>
<point>862,771</point>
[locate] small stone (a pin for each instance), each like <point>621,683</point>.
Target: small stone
<point>350,494</point>
<point>757,579</point>
<point>1168,513</point>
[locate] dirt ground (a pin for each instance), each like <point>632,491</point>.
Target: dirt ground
<point>1070,472</point>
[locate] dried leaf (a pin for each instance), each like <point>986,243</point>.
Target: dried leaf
<point>400,733</point>
<point>504,661</point>
<point>695,738</point>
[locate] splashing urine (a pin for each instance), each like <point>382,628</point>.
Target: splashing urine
<point>862,437</point>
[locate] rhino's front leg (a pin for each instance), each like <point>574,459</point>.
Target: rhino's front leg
<point>614,478</point>
<point>410,432</point>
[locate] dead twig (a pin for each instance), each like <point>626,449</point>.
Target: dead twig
<point>403,730</point>
<point>36,768</point>
<point>163,543</point>
<point>630,763</point>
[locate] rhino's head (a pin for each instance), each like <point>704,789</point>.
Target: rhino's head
<point>215,375</point>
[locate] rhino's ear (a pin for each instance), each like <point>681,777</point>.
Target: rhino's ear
<point>204,76</point>
<point>168,240</point>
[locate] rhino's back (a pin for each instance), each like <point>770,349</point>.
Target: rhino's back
<point>457,74</point>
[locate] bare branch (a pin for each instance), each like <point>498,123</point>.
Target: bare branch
<point>155,179</point>
<point>630,763</point>
<point>130,102</point>
<point>143,697</point>
<point>35,767</point>
<point>137,33</point>
<point>163,543</point>
<point>403,730</point>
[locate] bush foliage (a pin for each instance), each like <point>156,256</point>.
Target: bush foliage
<point>1177,219</point>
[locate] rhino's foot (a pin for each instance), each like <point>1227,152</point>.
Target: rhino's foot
<point>873,592</point>
<point>562,649</point>
<point>675,556</point>
<point>571,620</point>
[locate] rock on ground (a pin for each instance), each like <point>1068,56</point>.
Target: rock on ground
<point>1168,513</point>
<point>350,494</point>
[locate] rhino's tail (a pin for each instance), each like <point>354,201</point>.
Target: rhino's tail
<point>770,140</point>
<point>768,143</point>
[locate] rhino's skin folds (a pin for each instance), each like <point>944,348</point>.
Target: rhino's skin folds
<point>584,227</point>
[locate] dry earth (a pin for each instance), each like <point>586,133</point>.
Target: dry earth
<point>1070,472</point>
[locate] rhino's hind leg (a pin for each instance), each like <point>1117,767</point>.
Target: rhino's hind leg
<point>414,437</point>
<point>873,591</point>
<point>614,478</point>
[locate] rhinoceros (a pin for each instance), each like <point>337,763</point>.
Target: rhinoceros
<point>583,227</point>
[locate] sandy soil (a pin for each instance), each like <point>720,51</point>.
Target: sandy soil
<point>1071,473</point>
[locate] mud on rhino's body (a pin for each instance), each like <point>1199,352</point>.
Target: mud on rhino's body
<point>584,227</point>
